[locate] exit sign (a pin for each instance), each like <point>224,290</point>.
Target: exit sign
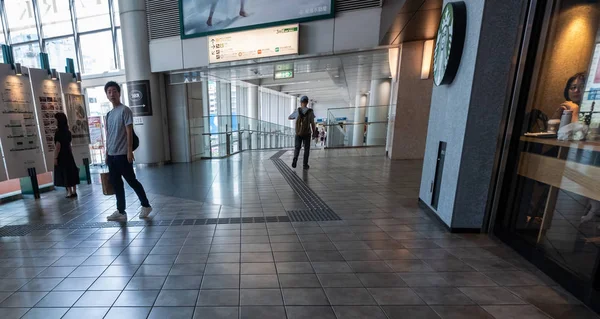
<point>280,75</point>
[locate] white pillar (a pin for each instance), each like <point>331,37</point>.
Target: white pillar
<point>359,120</point>
<point>137,68</point>
<point>378,111</point>
<point>253,102</point>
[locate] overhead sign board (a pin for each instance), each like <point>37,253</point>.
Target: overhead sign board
<point>254,44</point>
<point>280,75</point>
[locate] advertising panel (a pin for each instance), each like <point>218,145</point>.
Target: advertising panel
<point>48,101</point>
<point>205,17</point>
<point>254,44</point>
<point>19,130</point>
<point>75,109</point>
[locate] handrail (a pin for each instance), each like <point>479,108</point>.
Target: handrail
<point>352,123</point>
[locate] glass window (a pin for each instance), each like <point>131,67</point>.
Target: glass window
<point>59,50</point>
<point>120,49</point>
<point>116,13</point>
<point>97,53</point>
<point>92,15</point>
<point>98,104</point>
<point>55,17</point>
<point>21,20</point>
<point>27,54</point>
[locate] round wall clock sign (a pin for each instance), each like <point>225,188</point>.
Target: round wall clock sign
<point>449,43</point>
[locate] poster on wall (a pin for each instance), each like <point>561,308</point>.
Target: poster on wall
<point>47,98</point>
<point>138,98</point>
<point>19,130</point>
<point>204,17</point>
<point>592,87</point>
<point>95,128</point>
<point>75,108</point>
<point>78,122</point>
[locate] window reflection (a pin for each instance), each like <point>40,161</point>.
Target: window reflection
<point>21,20</point>
<point>27,54</point>
<point>97,53</point>
<point>55,17</point>
<point>92,15</point>
<point>59,50</point>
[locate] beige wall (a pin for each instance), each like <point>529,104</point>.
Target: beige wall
<point>568,51</point>
<point>412,105</point>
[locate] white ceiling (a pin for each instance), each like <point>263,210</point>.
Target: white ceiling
<point>328,80</point>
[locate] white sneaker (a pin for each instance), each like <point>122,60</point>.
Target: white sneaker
<point>145,211</point>
<point>118,217</point>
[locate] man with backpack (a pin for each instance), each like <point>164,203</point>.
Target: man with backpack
<point>120,140</point>
<point>305,126</point>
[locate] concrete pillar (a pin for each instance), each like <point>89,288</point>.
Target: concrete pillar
<point>252,102</point>
<point>137,68</point>
<point>358,130</point>
<point>379,103</point>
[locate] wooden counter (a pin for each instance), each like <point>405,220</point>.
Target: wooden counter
<point>584,145</point>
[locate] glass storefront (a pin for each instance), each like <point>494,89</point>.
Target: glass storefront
<point>549,197</point>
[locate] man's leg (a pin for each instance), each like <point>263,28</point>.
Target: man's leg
<point>242,11</point>
<point>129,176</point>
<point>306,150</point>
<point>297,147</point>
<point>114,173</point>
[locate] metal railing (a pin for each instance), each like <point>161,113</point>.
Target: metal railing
<point>225,135</point>
<point>343,131</point>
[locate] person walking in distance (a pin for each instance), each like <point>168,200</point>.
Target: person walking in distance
<point>119,150</point>
<point>305,126</point>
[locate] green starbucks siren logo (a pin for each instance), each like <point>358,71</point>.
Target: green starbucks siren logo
<point>449,43</point>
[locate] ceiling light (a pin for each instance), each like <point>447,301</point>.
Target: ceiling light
<point>427,59</point>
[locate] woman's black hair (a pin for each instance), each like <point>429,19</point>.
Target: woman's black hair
<point>579,75</point>
<point>112,84</point>
<point>61,122</point>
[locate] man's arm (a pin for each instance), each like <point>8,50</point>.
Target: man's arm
<point>129,129</point>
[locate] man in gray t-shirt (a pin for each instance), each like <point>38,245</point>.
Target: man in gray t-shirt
<point>119,151</point>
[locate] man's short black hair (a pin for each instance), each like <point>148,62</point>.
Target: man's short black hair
<point>112,84</point>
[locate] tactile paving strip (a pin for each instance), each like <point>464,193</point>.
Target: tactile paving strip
<point>317,209</point>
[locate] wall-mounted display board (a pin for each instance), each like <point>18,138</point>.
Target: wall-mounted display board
<point>254,44</point>
<point>47,96</point>
<point>19,130</point>
<point>204,17</point>
<point>75,109</point>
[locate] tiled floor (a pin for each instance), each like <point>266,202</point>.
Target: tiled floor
<point>385,259</point>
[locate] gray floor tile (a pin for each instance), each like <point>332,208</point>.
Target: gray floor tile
<point>424,280</point>
<point>12,313</point>
<point>128,313</point>
<point>316,256</point>
<point>41,284</point>
<point>75,284</point>
<point>467,279</point>
<point>221,282</point>
<point>380,280</point>
<point>359,255</point>
<point>395,296</point>
<point>120,271</point>
<point>97,299</point>
<point>290,256</point>
<point>260,297</point>
<point>299,281</point>
<point>369,266</point>
<point>216,312</point>
<point>228,297</point>
<point>191,259</point>
<point>262,312</point>
<point>310,312</point>
<point>339,280</point>
<point>215,258</point>
<point>25,272</point>
<point>135,298</point>
<point>45,313</point>
<point>449,264</point>
<point>294,268</point>
<point>349,296</point>
<point>331,267</point>
<point>160,260</point>
<point>60,299</point>
<point>413,312</point>
<point>394,254</point>
<point>258,269</point>
<point>542,295</point>
<point>183,282</point>
<point>491,296</point>
<point>461,312</point>
<point>4,295</point>
<point>259,281</point>
<point>409,265</point>
<point>153,270</point>
<point>56,272</point>
<point>568,311</point>
<point>257,257</point>
<point>171,313</point>
<point>516,311</point>
<point>359,312</point>
<point>514,278</point>
<point>23,299</point>
<point>87,271</point>
<point>145,283</point>
<point>443,296</point>
<point>304,297</point>
<point>177,298</point>
<point>222,269</point>
<point>12,284</point>
<point>110,283</point>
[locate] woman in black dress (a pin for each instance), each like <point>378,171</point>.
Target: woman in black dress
<point>66,173</point>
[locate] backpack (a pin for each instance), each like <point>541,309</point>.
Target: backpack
<point>136,139</point>
<point>303,123</point>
